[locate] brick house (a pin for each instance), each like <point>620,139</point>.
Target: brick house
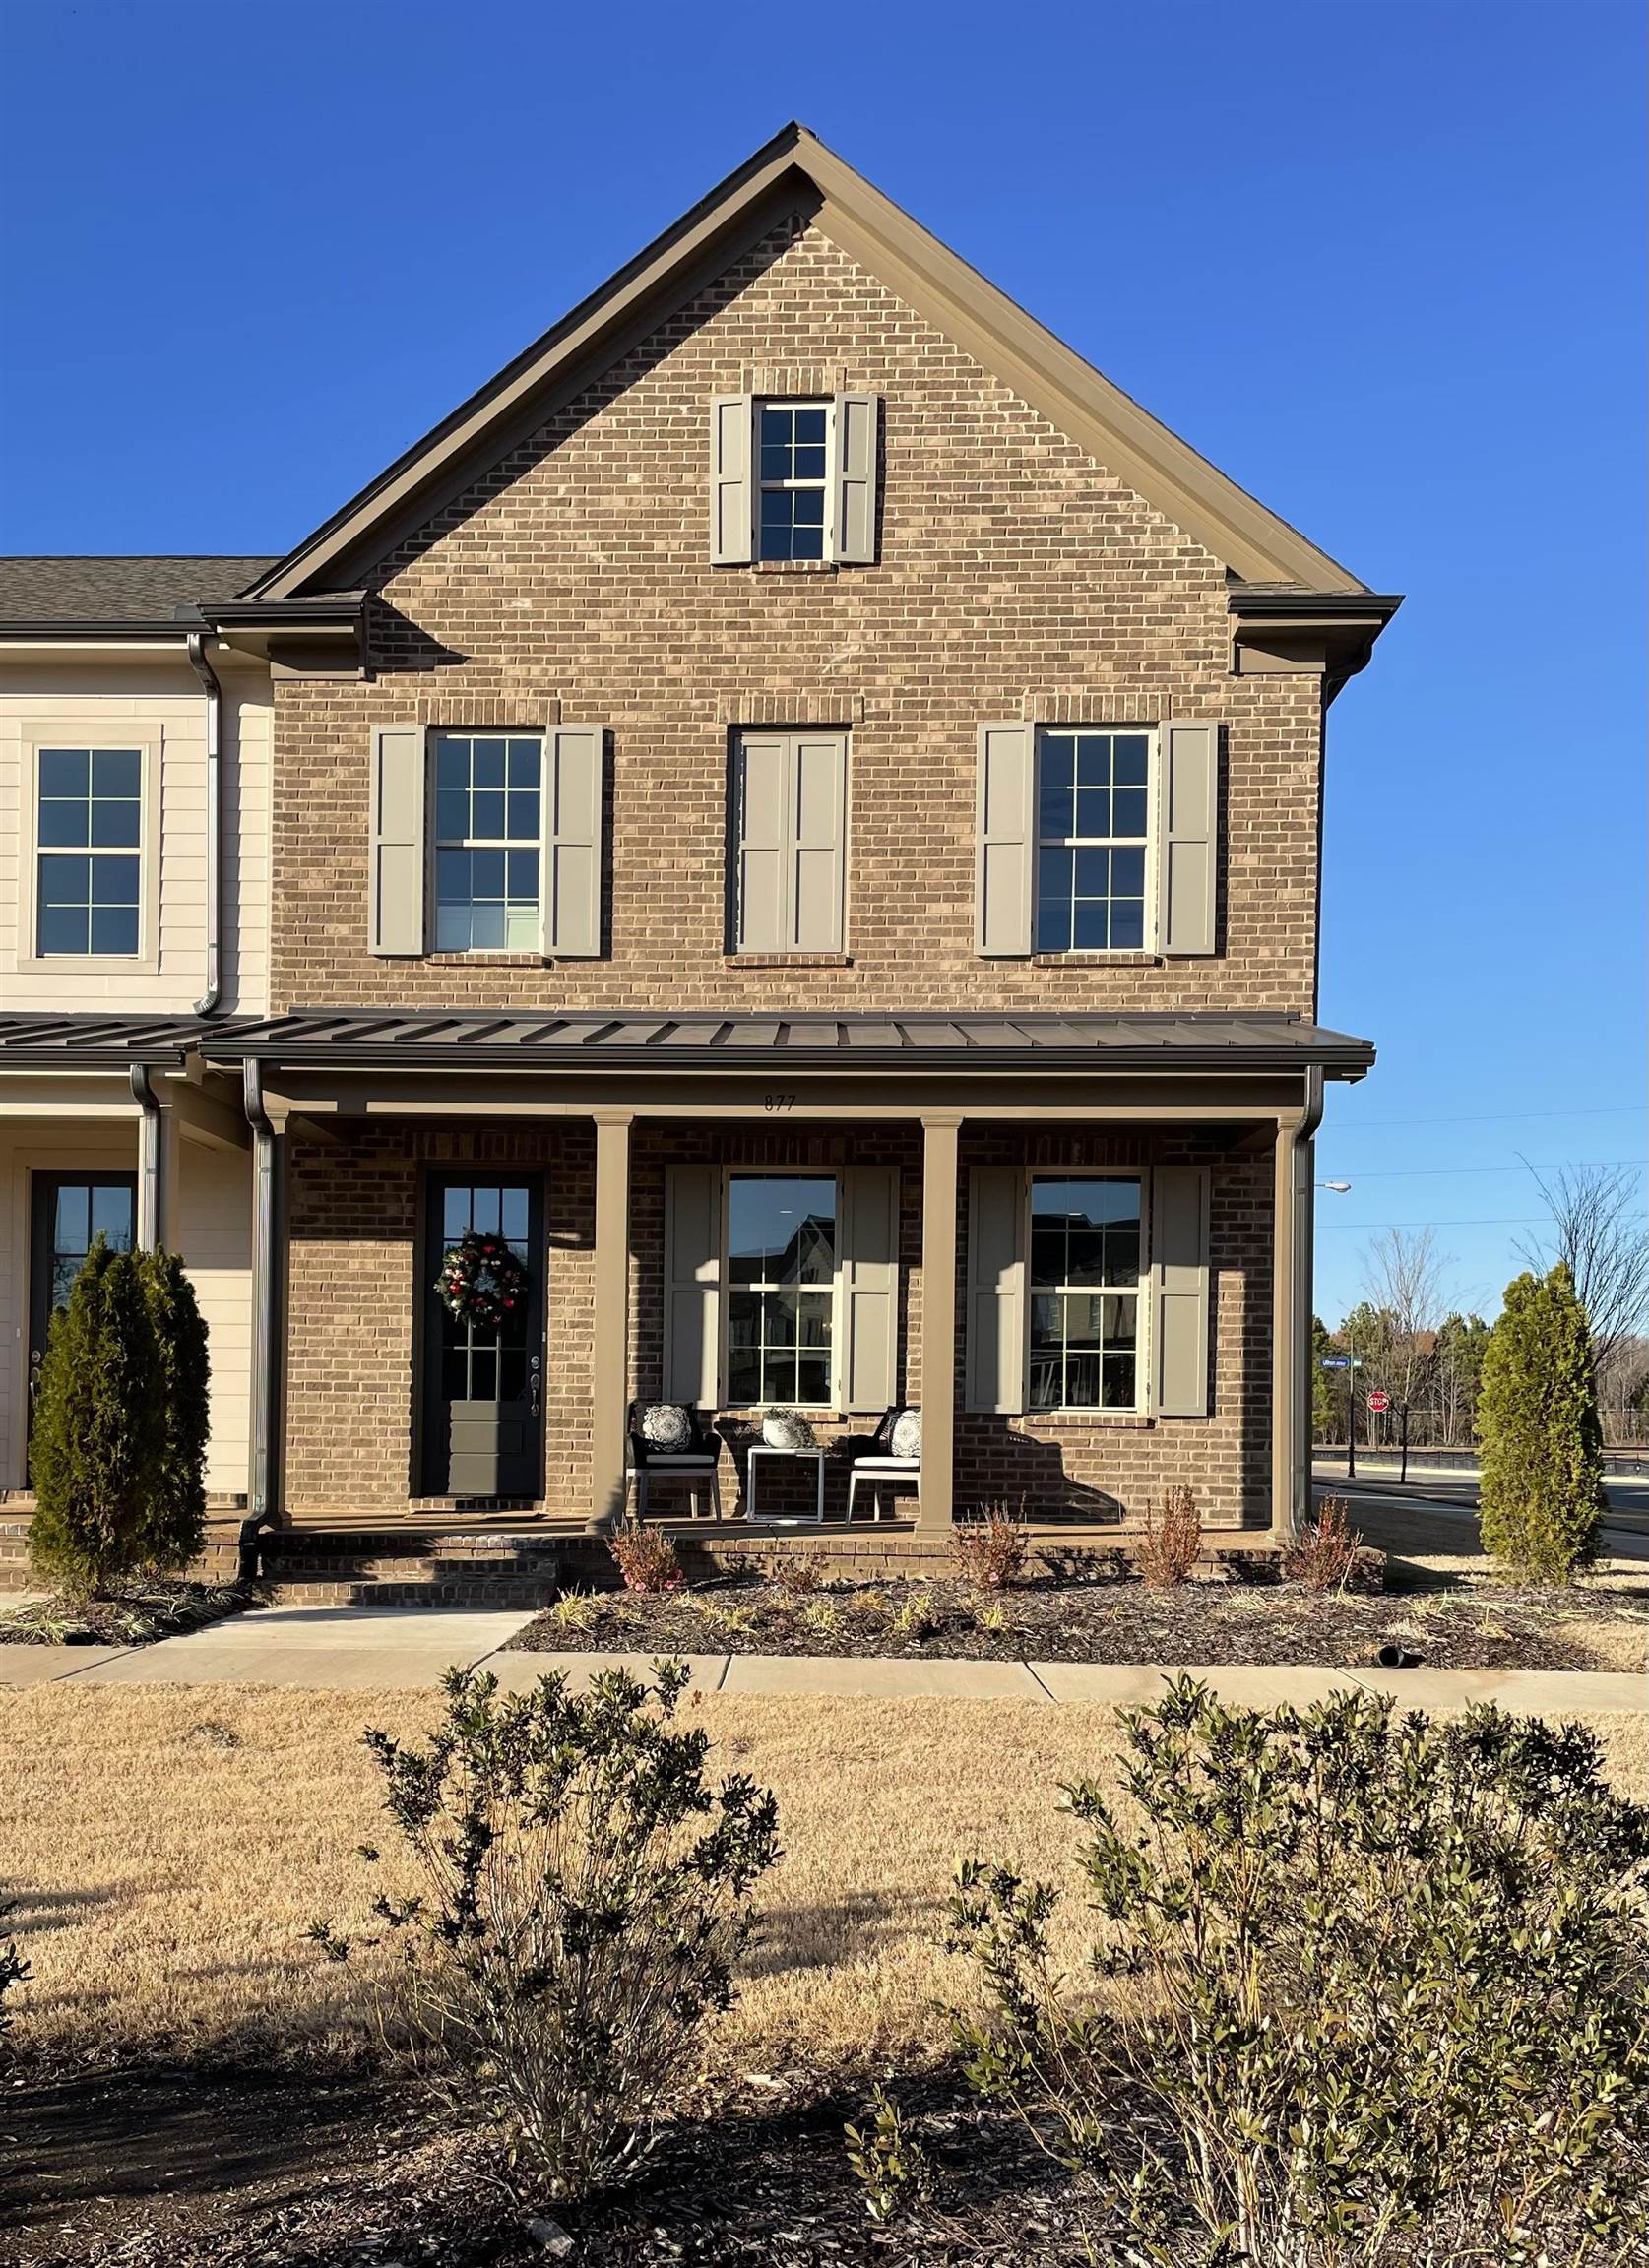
<point>797,809</point>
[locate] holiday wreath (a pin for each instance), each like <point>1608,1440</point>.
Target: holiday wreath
<point>481,1280</point>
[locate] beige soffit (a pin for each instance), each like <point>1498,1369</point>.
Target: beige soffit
<point>795,172</point>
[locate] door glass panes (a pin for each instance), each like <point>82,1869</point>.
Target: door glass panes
<point>487,831</point>
<point>780,1288</point>
<point>88,827</point>
<point>81,1213</point>
<point>486,1366</point>
<point>1084,1272</point>
<point>793,449</point>
<point>1092,820</point>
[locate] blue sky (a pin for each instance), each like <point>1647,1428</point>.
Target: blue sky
<point>1381,261</point>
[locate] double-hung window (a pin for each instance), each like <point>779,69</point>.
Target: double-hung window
<point>792,441</point>
<point>781,1280</point>
<point>487,838</point>
<point>88,836</point>
<point>1092,833</point>
<point>1085,1275</point>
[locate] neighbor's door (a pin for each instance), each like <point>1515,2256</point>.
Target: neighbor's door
<point>484,1390</point>
<point>68,1213</point>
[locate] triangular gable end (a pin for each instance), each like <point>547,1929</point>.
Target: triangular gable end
<point>795,171</point>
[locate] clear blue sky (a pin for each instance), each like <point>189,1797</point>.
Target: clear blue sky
<point>1383,263</point>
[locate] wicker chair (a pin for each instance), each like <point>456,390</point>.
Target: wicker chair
<point>876,1464</point>
<point>696,1463</point>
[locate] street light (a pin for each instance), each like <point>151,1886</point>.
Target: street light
<point>1339,1187</point>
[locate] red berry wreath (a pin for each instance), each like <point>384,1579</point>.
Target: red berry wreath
<point>481,1280</point>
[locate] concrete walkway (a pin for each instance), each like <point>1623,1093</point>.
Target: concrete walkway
<point>366,1649</point>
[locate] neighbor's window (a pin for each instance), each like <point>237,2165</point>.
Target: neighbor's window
<point>1092,821</point>
<point>793,439</point>
<point>1085,1270</point>
<point>89,829</point>
<point>780,1288</point>
<point>488,805</point>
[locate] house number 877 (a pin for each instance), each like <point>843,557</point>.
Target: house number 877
<point>781,1102</point>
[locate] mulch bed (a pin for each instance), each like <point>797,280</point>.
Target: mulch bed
<point>256,2170</point>
<point>137,1616</point>
<point>1113,1618</point>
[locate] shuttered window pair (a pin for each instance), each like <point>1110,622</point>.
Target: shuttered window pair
<point>1097,840</point>
<point>502,829</point>
<point>789,792</point>
<point>773,1293</point>
<point>1088,1293</point>
<point>792,479</point>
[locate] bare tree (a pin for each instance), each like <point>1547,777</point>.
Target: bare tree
<point>1598,1225</point>
<point>1402,1282</point>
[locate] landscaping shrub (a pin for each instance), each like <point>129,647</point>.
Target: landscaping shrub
<point>1324,1556</point>
<point>800,1578</point>
<point>1541,1495</point>
<point>894,2167</point>
<point>647,1559</point>
<point>1168,1549</point>
<point>586,1892</point>
<point>175,1516</point>
<point>14,1970</point>
<point>1374,1989</point>
<point>989,1549</point>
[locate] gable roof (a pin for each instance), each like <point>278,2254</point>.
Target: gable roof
<point>795,171</point>
<point>101,591</point>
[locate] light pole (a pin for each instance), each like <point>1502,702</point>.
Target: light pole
<point>1339,1189</point>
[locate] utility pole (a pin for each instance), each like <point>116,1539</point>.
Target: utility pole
<point>1350,1402</point>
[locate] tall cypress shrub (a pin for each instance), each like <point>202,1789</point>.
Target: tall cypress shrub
<point>99,1429</point>
<point>174,1518</point>
<point>1541,1444</point>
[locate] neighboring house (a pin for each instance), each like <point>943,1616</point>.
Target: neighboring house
<point>797,807</point>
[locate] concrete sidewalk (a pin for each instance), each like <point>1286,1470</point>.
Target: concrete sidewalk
<point>367,1649</point>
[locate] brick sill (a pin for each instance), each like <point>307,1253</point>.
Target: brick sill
<point>485,960</point>
<point>793,566</point>
<point>1091,1420</point>
<point>789,960</point>
<point>1097,961</point>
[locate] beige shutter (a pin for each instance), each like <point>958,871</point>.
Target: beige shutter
<point>869,1368</point>
<point>1005,838</point>
<point>995,1337</point>
<point>399,794</point>
<point>1191,755</point>
<point>730,506</point>
<point>763,838</point>
<point>1179,1201</point>
<point>853,477</point>
<point>571,882</point>
<point>816,806</point>
<point>692,1283</point>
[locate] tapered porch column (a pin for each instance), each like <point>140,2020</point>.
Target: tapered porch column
<point>1285,1352</point>
<point>611,1350</point>
<point>939,1130</point>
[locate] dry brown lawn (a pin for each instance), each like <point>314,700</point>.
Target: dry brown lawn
<point>169,1847</point>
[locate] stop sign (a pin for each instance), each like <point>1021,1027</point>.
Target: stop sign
<point>1379,1400</point>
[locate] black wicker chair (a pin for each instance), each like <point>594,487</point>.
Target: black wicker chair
<point>696,1463</point>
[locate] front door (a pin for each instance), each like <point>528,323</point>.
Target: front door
<point>68,1213</point>
<point>484,1387</point>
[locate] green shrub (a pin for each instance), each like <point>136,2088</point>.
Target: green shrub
<point>586,1891</point>
<point>175,1524</point>
<point>14,1970</point>
<point>893,2165</point>
<point>1541,1444</point>
<point>1369,1990</point>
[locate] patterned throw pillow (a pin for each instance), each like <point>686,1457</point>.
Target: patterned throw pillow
<point>666,1427</point>
<point>906,1437</point>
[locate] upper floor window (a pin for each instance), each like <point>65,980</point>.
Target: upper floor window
<point>89,835</point>
<point>780,1288</point>
<point>488,841</point>
<point>1085,1275</point>
<point>1092,831</point>
<point>789,828</point>
<point>793,479</point>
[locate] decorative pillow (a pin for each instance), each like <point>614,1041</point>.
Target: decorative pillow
<point>906,1438</point>
<point>783,1430</point>
<point>666,1426</point>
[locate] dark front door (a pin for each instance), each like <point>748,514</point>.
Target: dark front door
<point>483,1389</point>
<point>68,1213</point>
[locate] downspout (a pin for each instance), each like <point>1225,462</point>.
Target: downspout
<point>1304,1240</point>
<point>266,1313</point>
<point>148,1159</point>
<point>210,1000</point>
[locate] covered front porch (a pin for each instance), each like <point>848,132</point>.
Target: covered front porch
<point>1079,1247</point>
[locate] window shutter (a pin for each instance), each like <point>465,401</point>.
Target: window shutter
<point>571,881</point>
<point>692,1283</point>
<point>1005,842</point>
<point>816,810</point>
<point>730,510</point>
<point>853,477</point>
<point>870,1287</point>
<point>395,913</point>
<point>1179,1202</point>
<point>763,808</point>
<point>1190,846</point>
<point>995,1348</point>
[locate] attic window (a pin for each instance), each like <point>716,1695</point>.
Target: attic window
<point>794,449</point>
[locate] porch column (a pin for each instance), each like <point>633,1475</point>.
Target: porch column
<point>150,1156</point>
<point>1284,1353</point>
<point>611,1339</point>
<point>269,1162</point>
<point>939,1130</point>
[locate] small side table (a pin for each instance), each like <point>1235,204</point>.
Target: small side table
<point>766,1449</point>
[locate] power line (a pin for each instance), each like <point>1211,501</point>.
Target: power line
<point>1471,1220</point>
<point>1429,1173</point>
<point>1494,1117</point>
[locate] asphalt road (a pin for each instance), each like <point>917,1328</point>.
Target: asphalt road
<point>1448,1496</point>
